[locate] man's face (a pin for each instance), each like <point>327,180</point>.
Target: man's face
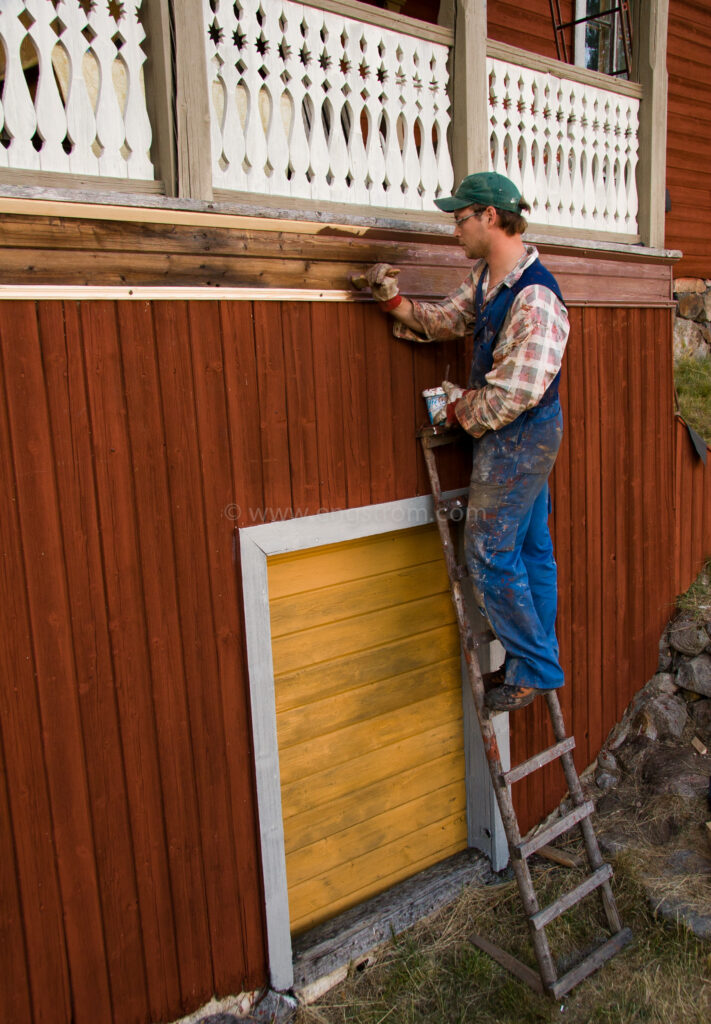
<point>472,231</point>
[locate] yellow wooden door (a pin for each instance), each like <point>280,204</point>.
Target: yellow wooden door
<point>369,717</point>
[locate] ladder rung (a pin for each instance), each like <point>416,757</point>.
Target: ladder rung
<point>521,970</point>
<point>533,763</point>
<point>591,963</point>
<point>544,917</point>
<point>525,850</point>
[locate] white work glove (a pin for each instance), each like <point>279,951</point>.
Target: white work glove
<point>381,278</point>
<point>453,393</point>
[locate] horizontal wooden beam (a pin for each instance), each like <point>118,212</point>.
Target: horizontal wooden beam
<point>34,292</point>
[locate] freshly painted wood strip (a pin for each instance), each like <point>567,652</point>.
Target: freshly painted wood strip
<point>350,845</point>
<point>170,293</point>
<point>330,604</point>
<point>408,654</point>
<point>349,635</point>
<point>308,757</point>
<point>340,887</point>
<point>361,803</point>
<point>366,703</point>
<point>295,572</point>
<point>331,784</point>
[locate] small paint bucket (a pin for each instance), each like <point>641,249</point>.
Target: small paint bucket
<point>436,399</point>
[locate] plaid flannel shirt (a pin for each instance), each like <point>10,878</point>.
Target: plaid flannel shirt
<point>527,355</point>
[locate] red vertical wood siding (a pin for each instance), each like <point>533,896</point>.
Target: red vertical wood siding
<point>134,439</point>
<point>692,508</point>
<point>688,224</point>
<point>528,24</point>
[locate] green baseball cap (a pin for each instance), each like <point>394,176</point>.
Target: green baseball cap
<point>484,189</point>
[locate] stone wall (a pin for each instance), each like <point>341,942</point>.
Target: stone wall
<point>692,322</point>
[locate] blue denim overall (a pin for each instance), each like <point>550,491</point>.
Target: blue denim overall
<point>508,544</point>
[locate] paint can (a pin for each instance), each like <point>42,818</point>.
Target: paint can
<point>436,399</point>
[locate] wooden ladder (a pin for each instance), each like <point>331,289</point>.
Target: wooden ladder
<point>447,510</point>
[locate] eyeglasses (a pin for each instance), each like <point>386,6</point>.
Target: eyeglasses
<point>460,220</point>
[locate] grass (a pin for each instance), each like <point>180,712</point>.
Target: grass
<point>696,600</point>
<point>433,974</point>
<point>692,378</point>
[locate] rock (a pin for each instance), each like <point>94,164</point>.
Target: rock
<point>689,284</point>
<point>676,911</point>
<point>691,305</point>
<point>673,770</point>
<point>707,306</point>
<point>606,761</point>
<point>687,636</point>
<point>661,682</point>
<point>665,653</point>
<point>274,1008</point>
<point>618,735</point>
<point>606,780</point>
<point>695,675</point>
<point>661,717</point>
<point>701,714</point>
<point>690,339</point>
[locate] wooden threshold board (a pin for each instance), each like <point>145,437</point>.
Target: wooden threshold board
<point>352,934</point>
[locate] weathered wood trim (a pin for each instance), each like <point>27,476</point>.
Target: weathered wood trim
<point>192,108</point>
<point>651,70</point>
<point>353,934</point>
<point>469,129</point>
<point>159,93</point>
<point>257,543</point>
<point>137,188</point>
<point>95,253</point>
<point>385,19</point>
<point>526,59</point>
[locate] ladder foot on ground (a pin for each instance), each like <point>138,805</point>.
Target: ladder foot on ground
<point>448,510</point>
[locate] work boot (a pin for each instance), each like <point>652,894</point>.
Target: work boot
<point>509,698</point>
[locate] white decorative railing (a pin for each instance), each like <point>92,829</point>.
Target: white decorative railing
<point>571,147</point>
<point>72,88</point>
<point>313,104</point>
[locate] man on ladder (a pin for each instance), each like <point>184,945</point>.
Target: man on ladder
<point>514,309</point>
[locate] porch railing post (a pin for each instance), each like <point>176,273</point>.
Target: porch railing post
<point>469,131</point>
<point>192,103</point>
<point>651,72</point>
<point>159,91</point>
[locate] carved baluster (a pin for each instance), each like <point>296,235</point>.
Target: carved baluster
<point>276,136</point>
<point>440,121</point>
<point>222,40</point>
<point>422,177</point>
<point>49,109</point>
<point>528,132</point>
<point>296,60</point>
<point>630,163</point>
<point>354,86</point>
<point>564,148</point>
<point>110,133</point>
<point>19,111</point>
<point>318,107</point>
<point>136,121</point>
<point>577,188</point>
<point>79,111</point>
<point>370,38</point>
<point>335,78</point>
<point>537,199</point>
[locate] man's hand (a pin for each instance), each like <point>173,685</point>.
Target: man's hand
<point>381,279</point>
<point>446,413</point>
<point>452,391</point>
